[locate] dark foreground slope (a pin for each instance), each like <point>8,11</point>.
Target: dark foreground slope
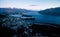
<point>34,30</point>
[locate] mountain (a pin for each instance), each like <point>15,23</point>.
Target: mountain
<point>51,11</point>
<point>13,11</point>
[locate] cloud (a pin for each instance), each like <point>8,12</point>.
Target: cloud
<point>34,5</point>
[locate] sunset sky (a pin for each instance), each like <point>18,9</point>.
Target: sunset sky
<point>30,4</point>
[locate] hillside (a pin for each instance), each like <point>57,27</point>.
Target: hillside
<point>51,11</point>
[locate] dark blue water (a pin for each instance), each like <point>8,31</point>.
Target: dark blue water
<point>49,19</point>
<point>41,18</point>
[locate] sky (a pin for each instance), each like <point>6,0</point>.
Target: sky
<point>30,4</point>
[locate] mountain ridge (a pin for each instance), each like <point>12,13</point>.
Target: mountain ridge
<point>51,11</point>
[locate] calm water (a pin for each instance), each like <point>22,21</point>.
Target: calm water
<point>40,18</point>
